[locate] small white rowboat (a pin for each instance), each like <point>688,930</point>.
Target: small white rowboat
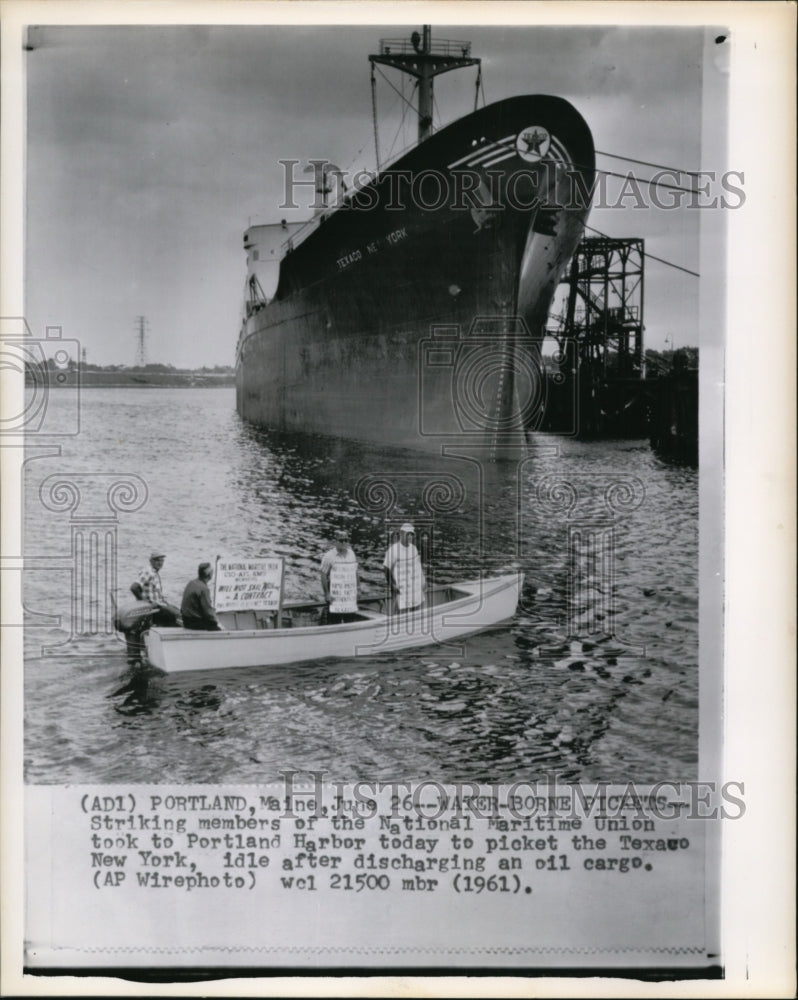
<point>251,639</point>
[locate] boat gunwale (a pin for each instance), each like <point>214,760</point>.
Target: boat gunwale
<point>501,583</point>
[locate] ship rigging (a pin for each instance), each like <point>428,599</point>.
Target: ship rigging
<point>423,60</point>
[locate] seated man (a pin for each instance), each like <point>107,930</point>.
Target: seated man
<point>133,617</point>
<point>196,610</point>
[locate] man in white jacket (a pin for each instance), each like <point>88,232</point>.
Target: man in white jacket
<point>404,572</point>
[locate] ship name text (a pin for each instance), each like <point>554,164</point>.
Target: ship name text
<point>392,238</point>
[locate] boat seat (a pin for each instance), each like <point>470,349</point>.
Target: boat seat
<point>246,621</point>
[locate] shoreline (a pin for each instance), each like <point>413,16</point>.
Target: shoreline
<point>153,380</point>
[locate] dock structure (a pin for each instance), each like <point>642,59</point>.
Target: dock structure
<point>601,339</point>
<point>605,305</point>
<point>602,358</point>
<point>673,413</point>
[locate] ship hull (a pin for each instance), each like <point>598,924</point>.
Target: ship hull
<point>411,315</point>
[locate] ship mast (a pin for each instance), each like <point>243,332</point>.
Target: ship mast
<point>423,59</point>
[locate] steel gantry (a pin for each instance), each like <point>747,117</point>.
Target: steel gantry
<point>604,312</point>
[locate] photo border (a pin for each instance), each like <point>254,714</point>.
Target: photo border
<point>757,393</point>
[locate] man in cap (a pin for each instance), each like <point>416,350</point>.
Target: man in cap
<point>403,570</point>
<point>340,554</point>
<point>150,580</point>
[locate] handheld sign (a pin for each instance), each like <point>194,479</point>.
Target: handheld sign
<point>343,587</point>
<point>249,584</point>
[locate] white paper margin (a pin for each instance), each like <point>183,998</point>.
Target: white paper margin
<point>759,686</point>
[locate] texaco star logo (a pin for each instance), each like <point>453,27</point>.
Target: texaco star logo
<point>533,143</point>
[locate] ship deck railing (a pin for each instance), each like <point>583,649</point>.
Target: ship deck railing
<point>442,47</point>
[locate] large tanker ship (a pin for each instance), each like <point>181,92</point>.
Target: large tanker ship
<point>411,312</point>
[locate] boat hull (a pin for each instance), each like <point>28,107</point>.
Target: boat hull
<point>483,603</point>
<point>349,345</point>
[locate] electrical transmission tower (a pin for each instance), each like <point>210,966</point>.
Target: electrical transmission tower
<point>141,340</point>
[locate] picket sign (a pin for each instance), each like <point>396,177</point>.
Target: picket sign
<point>249,584</point>
<point>343,587</point>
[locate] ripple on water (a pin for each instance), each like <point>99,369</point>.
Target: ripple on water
<point>521,702</point>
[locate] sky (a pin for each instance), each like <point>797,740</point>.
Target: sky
<point>151,149</point>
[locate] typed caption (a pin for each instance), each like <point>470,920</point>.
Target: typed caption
<point>247,872</point>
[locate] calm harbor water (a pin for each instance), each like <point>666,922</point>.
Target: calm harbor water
<point>520,702</point>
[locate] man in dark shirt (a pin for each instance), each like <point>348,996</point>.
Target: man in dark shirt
<point>196,610</point>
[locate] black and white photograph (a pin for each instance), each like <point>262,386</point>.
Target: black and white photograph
<point>367,443</point>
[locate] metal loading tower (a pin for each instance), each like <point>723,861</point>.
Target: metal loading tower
<point>602,330</point>
<point>604,315</point>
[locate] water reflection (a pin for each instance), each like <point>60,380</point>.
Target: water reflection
<point>303,488</point>
<point>523,700</point>
<point>139,691</point>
